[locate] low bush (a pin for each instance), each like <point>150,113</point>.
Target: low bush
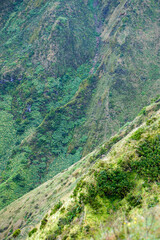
<point>148,165</point>
<point>79,186</point>
<point>56,208</point>
<point>134,200</point>
<point>32,232</point>
<point>62,210</point>
<point>142,112</point>
<point>73,235</point>
<point>71,214</point>
<point>92,159</point>
<point>137,134</point>
<point>43,222</point>
<point>113,183</point>
<point>16,233</point>
<point>153,202</point>
<point>87,228</point>
<point>90,197</point>
<point>150,121</point>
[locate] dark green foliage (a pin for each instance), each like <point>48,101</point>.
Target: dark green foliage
<point>115,139</point>
<point>113,183</point>
<point>73,235</point>
<point>78,187</point>
<point>153,202</point>
<point>56,207</point>
<point>156,99</point>
<point>143,111</point>
<point>34,89</point>
<point>90,197</point>
<point>62,210</point>
<point>32,232</point>
<point>62,221</point>
<point>87,228</point>
<point>65,237</point>
<point>148,165</point>
<point>102,151</point>
<point>16,233</point>
<point>150,121</point>
<point>92,159</point>
<point>137,134</point>
<point>134,200</point>
<point>71,214</point>
<point>117,183</point>
<point>43,222</point>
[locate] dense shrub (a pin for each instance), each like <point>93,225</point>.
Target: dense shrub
<point>150,121</point>
<point>32,232</point>
<point>78,187</point>
<point>92,159</point>
<point>134,200</point>
<point>56,207</point>
<point>43,222</point>
<point>143,111</point>
<point>16,233</point>
<point>90,197</point>
<point>71,214</point>
<point>73,211</point>
<point>148,165</point>
<point>87,228</point>
<point>113,183</point>
<point>153,202</point>
<point>137,134</point>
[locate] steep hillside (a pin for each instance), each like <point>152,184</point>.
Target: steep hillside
<point>72,73</point>
<point>111,193</point>
<point>46,53</point>
<point>119,197</point>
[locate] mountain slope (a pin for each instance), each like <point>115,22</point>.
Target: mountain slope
<point>133,154</point>
<point>119,197</point>
<point>72,73</point>
<point>31,84</point>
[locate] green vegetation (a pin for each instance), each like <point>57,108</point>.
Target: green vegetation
<point>121,188</point>
<point>67,219</point>
<point>137,134</point>
<point>56,207</point>
<point>148,165</point>
<point>37,94</point>
<point>32,232</point>
<point>43,222</point>
<point>62,99</point>
<point>16,233</point>
<point>112,188</point>
<point>114,183</point>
